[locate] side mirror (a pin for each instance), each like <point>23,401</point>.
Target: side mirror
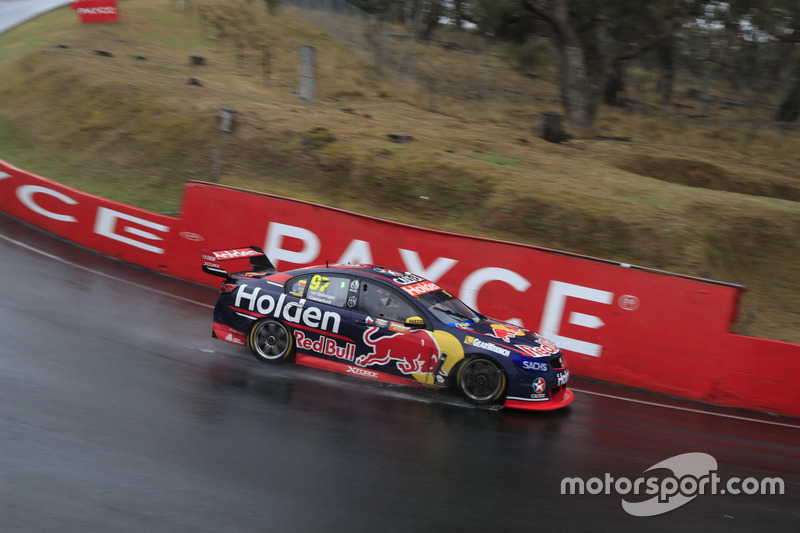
<point>415,322</point>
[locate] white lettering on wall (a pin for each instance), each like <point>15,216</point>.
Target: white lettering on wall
<point>26,193</point>
<point>357,253</point>
<point>275,236</point>
<point>106,225</point>
<point>434,272</point>
<point>474,282</point>
<point>557,295</point>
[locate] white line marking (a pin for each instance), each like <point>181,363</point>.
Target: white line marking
<point>687,409</point>
<point>102,274</point>
<point>187,300</point>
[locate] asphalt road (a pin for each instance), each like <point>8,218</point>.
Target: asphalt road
<point>15,12</point>
<point>118,412</point>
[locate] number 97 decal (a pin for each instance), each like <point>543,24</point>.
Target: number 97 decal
<point>319,283</point>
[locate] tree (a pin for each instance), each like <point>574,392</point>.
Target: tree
<point>755,43</point>
<point>426,15</point>
<point>591,37</point>
<point>789,109</point>
<point>505,20</point>
<point>430,15</point>
<point>272,6</point>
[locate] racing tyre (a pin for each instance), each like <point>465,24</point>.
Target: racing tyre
<point>481,381</point>
<point>270,341</point>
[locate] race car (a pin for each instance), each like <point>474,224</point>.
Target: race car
<point>383,324</point>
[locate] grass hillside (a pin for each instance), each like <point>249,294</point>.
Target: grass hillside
<point>715,196</point>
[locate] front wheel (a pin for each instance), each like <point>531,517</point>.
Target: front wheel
<point>270,341</point>
<point>481,381</point>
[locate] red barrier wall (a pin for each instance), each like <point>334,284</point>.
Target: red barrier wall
<point>118,230</point>
<point>651,330</point>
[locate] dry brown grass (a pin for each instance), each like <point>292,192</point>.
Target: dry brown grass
<point>715,197</point>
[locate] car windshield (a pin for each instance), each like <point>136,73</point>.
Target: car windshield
<point>448,308</point>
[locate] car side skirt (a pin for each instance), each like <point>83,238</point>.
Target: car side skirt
<point>366,373</point>
<point>227,333</point>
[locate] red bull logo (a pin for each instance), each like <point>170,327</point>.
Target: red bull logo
<point>414,352</point>
<point>325,346</point>
<point>545,348</point>
<point>506,332</point>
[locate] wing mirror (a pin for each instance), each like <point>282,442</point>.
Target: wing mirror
<point>415,322</point>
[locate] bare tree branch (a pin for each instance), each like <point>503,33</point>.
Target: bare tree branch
<point>536,8</point>
<point>640,48</point>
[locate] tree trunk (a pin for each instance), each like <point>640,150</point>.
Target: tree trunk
<point>615,82</point>
<point>789,109</point>
<point>430,20</point>
<point>578,94</point>
<point>666,52</point>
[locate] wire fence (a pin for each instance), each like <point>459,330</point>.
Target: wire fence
<point>396,52</point>
<point>391,51</point>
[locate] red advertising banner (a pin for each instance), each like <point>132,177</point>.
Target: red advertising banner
<point>96,10</point>
<point>118,230</point>
<point>656,331</point>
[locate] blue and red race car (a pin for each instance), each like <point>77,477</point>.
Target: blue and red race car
<point>385,325</point>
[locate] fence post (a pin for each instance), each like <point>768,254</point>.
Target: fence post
<point>266,66</point>
<point>307,73</point>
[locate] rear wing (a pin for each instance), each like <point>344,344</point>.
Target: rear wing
<point>213,259</point>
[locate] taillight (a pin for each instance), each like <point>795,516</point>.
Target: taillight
<point>227,287</point>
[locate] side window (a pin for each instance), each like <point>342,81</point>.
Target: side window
<point>328,289</point>
<point>297,286</point>
<point>380,301</point>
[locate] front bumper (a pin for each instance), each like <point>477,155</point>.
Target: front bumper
<point>559,399</point>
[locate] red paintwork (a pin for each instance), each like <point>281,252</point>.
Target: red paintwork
<point>561,399</point>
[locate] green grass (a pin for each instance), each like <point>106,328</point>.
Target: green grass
<point>134,131</point>
<point>495,159</point>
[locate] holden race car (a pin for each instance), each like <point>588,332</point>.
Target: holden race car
<point>385,325</point>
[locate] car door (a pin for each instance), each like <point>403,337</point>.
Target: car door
<point>386,343</point>
<point>324,329</point>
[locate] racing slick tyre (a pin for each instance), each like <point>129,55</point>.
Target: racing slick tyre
<point>270,341</point>
<point>481,381</point>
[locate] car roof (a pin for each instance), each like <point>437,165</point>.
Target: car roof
<point>393,276</point>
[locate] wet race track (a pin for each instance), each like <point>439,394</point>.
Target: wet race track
<point>118,412</point>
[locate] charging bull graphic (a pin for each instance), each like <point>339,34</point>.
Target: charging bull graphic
<point>414,352</point>
<point>506,331</point>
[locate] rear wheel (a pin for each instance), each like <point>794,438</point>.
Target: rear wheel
<point>270,341</point>
<point>481,381</point>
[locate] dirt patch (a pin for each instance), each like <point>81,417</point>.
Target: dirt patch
<point>710,176</point>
